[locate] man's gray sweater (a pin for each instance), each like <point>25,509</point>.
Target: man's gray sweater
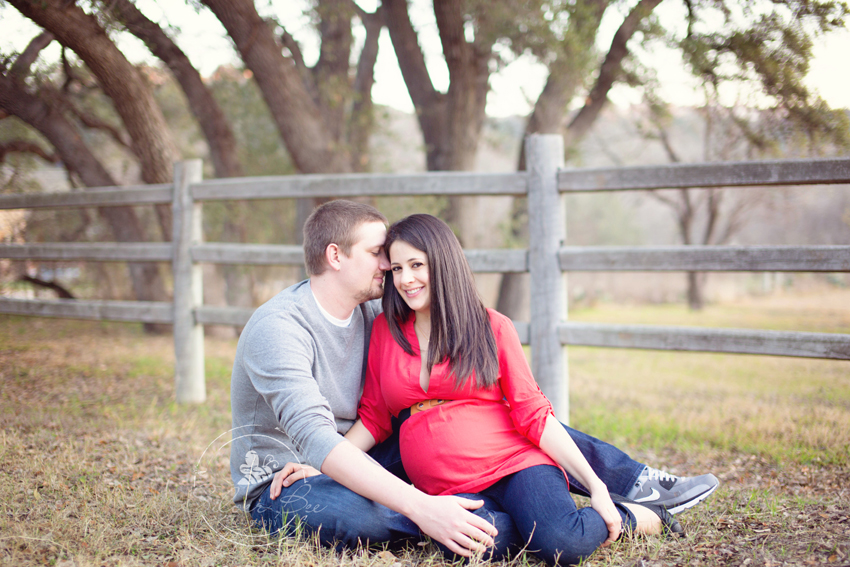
<point>296,383</point>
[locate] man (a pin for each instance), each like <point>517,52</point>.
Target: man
<point>296,383</point>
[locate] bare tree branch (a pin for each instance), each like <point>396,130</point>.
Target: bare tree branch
<point>715,199</point>
<point>91,121</point>
<point>332,68</point>
<point>120,80</point>
<point>664,138</point>
<point>567,73</point>
<point>21,67</point>
<point>304,72</point>
<point>61,292</point>
<point>23,146</point>
<point>299,120</point>
<point>672,203</point>
<point>609,72</point>
<point>362,117</point>
<point>204,107</point>
<point>410,57</point>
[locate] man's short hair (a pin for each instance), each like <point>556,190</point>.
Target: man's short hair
<point>334,222</point>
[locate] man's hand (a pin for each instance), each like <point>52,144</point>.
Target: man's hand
<point>447,519</point>
<point>600,500</point>
<point>289,474</point>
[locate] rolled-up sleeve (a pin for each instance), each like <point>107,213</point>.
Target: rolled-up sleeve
<point>278,359</point>
<point>529,407</point>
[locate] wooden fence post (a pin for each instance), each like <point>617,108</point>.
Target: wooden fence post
<point>188,287</point>
<point>547,232</point>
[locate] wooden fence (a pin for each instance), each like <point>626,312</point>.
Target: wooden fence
<point>547,259</point>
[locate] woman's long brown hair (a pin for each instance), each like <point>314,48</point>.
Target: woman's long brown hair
<point>460,327</point>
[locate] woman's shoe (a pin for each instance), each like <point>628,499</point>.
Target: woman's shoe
<point>670,526</point>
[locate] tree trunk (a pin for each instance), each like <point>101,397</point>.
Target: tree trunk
<point>204,107</point>
<point>49,121</point>
<point>450,122</point>
<point>214,125</point>
<point>567,74</point>
<point>696,284</point>
<point>297,116</point>
<point>362,120</point>
<point>121,81</point>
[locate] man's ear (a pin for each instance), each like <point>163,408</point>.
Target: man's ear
<point>332,256</point>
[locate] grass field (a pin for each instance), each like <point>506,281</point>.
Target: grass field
<point>98,466</point>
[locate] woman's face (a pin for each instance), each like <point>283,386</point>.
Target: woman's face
<point>410,275</point>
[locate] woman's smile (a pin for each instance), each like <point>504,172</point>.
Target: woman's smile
<point>409,267</point>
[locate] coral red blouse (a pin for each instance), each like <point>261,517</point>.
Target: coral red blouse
<point>478,436</point>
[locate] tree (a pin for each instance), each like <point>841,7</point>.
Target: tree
<point>320,112</point>
<point>39,109</point>
<point>131,95</point>
<point>715,216</point>
<point>323,117</point>
<point>206,110</point>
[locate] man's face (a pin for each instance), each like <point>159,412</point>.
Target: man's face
<point>364,269</point>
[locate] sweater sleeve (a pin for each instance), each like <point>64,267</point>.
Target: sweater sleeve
<point>278,359</point>
<point>529,407</point>
<point>373,411</point>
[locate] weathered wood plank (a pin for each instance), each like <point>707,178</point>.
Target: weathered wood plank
<point>257,254</point>
<point>94,251</point>
<point>721,174</point>
<point>361,184</point>
<point>547,230</point>
<point>744,341</point>
<point>705,258</point>
<point>158,194</point>
<point>497,260</point>
<point>215,315</point>
<point>189,375</point>
<point>507,260</point>
<point>142,311</point>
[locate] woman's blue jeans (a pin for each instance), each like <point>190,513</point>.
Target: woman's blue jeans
<point>546,519</point>
<point>340,518</point>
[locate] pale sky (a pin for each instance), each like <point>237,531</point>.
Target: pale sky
<point>202,37</point>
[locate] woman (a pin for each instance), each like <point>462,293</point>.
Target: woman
<point>474,422</point>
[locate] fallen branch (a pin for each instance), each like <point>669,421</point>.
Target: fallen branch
<point>61,292</point>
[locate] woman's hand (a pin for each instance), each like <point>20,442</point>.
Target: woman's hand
<point>448,520</point>
<point>558,444</point>
<point>289,474</point>
<point>600,500</point>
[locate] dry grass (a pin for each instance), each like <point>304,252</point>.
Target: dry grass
<point>99,467</point>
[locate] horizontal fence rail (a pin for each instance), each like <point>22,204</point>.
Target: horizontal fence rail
<point>705,258</point>
<point>740,341</point>
<point>362,184</point>
<point>159,194</point>
<point>97,252</point>
<point>706,175</point>
<point>108,310</point>
<point>256,254</point>
<point>499,261</point>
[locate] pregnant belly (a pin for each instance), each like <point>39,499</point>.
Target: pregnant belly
<point>461,443</point>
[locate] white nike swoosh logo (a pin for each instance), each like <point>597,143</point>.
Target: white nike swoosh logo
<point>654,496</point>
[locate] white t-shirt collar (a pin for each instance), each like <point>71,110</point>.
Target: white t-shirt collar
<point>338,322</point>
